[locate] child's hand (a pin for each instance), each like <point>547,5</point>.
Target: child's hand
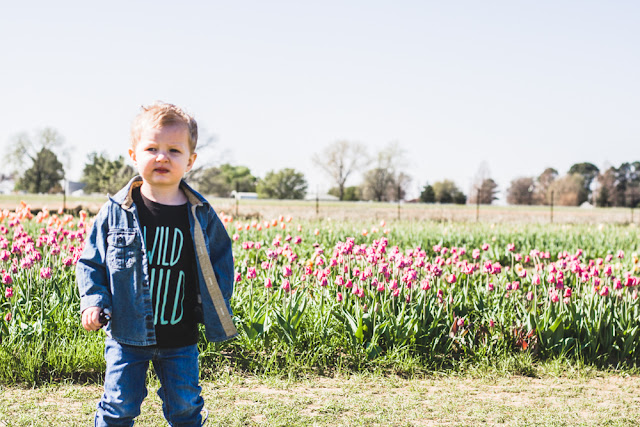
<point>91,319</point>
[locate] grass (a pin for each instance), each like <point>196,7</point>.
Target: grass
<point>588,399</point>
<point>329,210</point>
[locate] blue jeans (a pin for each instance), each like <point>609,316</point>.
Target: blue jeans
<point>125,389</point>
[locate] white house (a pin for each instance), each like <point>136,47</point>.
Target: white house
<point>239,195</point>
<point>324,197</point>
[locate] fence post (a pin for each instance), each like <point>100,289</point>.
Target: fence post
<point>237,198</point>
<point>551,206</point>
<point>398,202</point>
<point>64,194</point>
<point>478,205</point>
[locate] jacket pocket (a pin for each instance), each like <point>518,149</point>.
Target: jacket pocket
<point>121,248</point>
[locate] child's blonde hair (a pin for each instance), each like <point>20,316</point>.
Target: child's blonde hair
<point>160,114</point>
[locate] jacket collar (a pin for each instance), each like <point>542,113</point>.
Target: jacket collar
<point>125,200</point>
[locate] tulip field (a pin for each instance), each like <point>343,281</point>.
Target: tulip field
<point>326,295</point>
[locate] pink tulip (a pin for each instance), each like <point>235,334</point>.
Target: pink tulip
<point>238,277</point>
<point>485,246</point>
<point>286,270</point>
<point>6,279</point>
<point>45,272</point>
<point>286,285</point>
<point>451,278</point>
<point>496,268</point>
<point>536,279</point>
<point>604,291</point>
<point>267,283</point>
<point>8,293</point>
<point>617,284</point>
<point>251,273</point>
<point>339,297</point>
<point>7,317</point>
<point>529,296</point>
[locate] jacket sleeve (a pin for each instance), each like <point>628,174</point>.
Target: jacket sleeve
<point>221,254</point>
<point>91,270</point>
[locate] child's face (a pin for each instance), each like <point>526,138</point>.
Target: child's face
<point>162,156</point>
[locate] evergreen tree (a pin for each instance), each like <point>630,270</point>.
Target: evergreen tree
<point>44,175</point>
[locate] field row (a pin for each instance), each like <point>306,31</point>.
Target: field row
<point>328,294</point>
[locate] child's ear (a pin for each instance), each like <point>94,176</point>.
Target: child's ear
<point>192,160</point>
<point>132,155</point>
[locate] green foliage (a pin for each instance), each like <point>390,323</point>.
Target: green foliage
<point>221,181</point>
<point>350,194</point>
<point>447,191</point>
<point>428,195</point>
<point>286,183</point>
<point>44,175</point>
<point>487,192</point>
<point>102,175</point>
<point>589,173</point>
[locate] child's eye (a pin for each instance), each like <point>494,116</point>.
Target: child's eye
<point>151,149</point>
<point>175,150</point>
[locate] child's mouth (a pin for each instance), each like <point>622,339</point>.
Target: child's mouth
<point>162,170</point>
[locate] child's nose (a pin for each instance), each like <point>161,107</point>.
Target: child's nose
<point>161,157</point>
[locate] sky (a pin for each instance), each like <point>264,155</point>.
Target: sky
<point>512,87</point>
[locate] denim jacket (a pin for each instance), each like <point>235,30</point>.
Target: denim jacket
<point>113,271</point>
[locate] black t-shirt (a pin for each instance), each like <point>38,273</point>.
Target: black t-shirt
<point>172,273</point>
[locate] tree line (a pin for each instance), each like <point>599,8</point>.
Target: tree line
<point>382,177</point>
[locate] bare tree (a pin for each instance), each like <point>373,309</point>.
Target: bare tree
<point>543,185</point>
<point>381,183</point>
<point>520,192</point>
<point>569,190</point>
<point>26,148</point>
<point>340,160</point>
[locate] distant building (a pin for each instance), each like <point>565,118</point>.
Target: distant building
<point>324,197</point>
<point>7,186</point>
<point>239,195</point>
<point>75,188</point>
